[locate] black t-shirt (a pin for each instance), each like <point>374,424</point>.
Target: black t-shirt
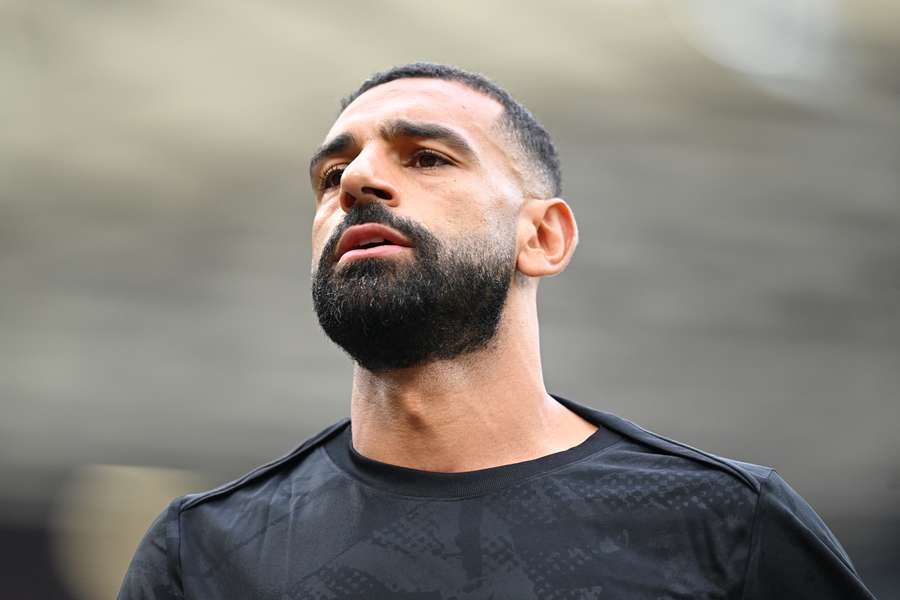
<point>626,514</point>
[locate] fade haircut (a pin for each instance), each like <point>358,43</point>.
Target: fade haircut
<point>530,137</point>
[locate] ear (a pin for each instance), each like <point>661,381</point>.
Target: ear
<point>547,236</point>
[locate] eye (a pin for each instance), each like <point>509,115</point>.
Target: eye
<point>331,178</point>
<point>427,159</point>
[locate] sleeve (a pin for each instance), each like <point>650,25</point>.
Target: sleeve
<point>155,569</point>
<point>793,554</point>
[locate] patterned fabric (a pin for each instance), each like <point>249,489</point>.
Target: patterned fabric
<point>627,514</point>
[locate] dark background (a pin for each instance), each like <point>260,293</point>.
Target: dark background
<point>733,168</point>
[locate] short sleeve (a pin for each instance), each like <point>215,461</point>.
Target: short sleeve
<point>154,572</point>
<point>793,554</point>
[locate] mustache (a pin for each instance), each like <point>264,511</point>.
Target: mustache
<point>375,212</point>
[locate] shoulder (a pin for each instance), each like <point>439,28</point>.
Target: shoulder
<point>657,452</point>
<point>790,551</point>
<point>201,526</point>
<point>265,475</point>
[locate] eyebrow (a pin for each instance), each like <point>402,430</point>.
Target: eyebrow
<point>392,130</point>
<point>428,131</point>
<point>334,147</point>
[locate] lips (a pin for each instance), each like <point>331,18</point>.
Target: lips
<point>369,240</point>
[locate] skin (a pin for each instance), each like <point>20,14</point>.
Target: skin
<point>483,409</point>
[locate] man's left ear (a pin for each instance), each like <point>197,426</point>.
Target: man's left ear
<point>547,236</point>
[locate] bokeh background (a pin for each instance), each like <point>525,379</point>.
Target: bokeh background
<point>734,168</point>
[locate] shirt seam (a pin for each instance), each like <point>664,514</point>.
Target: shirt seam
<point>379,490</point>
<point>754,535</point>
<point>178,561</point>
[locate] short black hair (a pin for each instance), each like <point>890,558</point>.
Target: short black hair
<point>527,132</point>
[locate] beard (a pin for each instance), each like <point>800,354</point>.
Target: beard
<point>393,313</point>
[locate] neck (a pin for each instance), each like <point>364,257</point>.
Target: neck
<point>485,409</point>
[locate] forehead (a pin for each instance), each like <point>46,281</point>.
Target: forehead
<point>437,101</point>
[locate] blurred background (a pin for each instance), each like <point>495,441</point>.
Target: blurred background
<point>734,168</point>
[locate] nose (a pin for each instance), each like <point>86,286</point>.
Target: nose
<point>363,181</point>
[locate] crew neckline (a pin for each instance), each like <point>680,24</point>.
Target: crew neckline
<point>433,484</point>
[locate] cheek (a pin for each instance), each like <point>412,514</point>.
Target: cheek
<point>454,206</point>
<point>323,226</point>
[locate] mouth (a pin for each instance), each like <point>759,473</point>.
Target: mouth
<point>371,240</point>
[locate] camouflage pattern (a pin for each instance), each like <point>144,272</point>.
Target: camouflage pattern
<point>627,514</point>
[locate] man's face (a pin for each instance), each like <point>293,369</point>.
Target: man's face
<point>420,164</point>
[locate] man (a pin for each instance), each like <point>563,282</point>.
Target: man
<point>457,475</point>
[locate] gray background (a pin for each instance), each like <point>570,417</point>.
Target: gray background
<point>733,168</point>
